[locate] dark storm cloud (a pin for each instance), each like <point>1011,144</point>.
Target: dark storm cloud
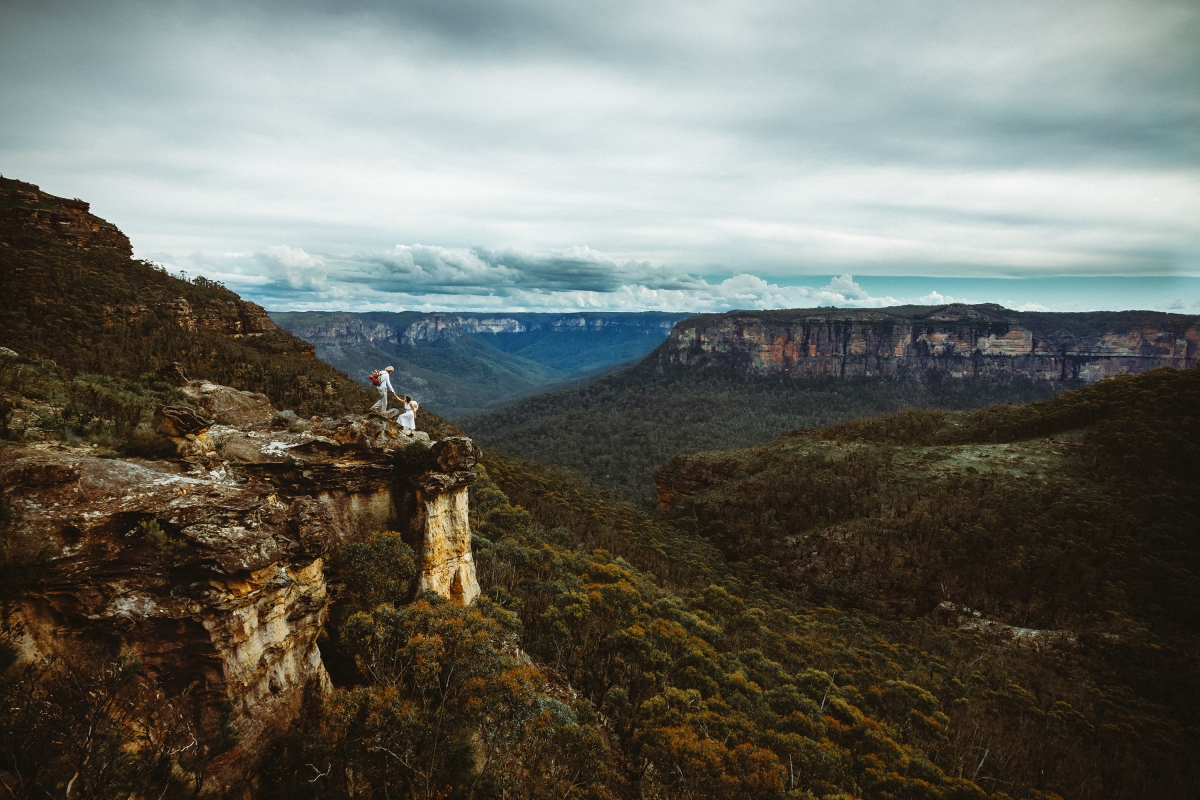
<point>613,149</point>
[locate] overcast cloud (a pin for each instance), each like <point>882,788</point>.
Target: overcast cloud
<point>617,155</point>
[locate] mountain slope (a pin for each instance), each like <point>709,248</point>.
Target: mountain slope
<point>619,429</point>
<point>100,333</point>
<point>73,295</point>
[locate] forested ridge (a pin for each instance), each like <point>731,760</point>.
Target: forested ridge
<point>619,429</point>
<point>94,311</point>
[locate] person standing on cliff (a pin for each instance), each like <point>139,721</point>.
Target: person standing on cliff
<point>408,420</point>
<point>385,388</point>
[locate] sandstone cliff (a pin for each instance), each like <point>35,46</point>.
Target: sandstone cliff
<point>236,318</point>
<point>346,329</point>
<point>210,568</point>
<point>25,207</point>
<point>956,340</point>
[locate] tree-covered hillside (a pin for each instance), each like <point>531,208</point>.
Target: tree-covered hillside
<point>93,309</point>
<point>619,429</point>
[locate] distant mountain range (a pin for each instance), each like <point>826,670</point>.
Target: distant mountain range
<point>459,363</point>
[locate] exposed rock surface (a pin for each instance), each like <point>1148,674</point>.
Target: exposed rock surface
<point>230,406</point>
<point>54,217</point>
<point>211,568</point>
<point>236,318</point>
<point>966,619</point>
<point>447,565</point>
<point>956,340</point>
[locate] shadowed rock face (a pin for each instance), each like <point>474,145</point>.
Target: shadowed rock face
<point>235,318</point>
<point>53,217</point>
<point>230,406</point>
<point>956,340</point>
<point>211,568</point>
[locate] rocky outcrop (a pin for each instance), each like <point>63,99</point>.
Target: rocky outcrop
<point>229,406</point>
<point>185,428</point>
<point>208,582</point>
<point>966,619</point>
<point>234,318</point>
<point>956,340</point>
<point>211,568</point>
<point>46,216</point>
<point>447,565</point>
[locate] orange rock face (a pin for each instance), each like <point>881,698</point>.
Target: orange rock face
<point>57,218</point>
<point>959,341</point>
<point>211,568</point>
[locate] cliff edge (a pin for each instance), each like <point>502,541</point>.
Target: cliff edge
<point>955,340</point>
<point>209,568</point>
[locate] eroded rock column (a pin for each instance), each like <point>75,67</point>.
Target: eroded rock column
<point>446,564</point>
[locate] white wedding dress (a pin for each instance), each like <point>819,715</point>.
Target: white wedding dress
<point>408,419</point>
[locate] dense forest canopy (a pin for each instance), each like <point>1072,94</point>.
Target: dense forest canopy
<point>619,429</point>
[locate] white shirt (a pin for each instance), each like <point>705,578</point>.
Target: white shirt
<point>385,382</point>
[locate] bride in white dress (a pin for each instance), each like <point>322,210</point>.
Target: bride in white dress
<point>408,420</point>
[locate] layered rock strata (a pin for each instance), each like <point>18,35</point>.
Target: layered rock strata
<point>211,568</point>
<point>956,340</point>
<point>235,318</point>
<point>45,215</point>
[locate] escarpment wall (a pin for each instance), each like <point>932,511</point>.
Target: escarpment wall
<point>234,318</point>
<point>956,340</point>
<point>46,216</point>
<point>211,568</point>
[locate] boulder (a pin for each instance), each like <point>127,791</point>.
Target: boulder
<point>178,422</point>
<point>230,406</point>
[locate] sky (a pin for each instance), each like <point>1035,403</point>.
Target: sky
<point>687,156</point>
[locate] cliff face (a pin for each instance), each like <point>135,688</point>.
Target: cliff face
<point>956,340</point>
<point>345,329</point>
<point>235,318</point>
<point>350,329</point>
<point>211,568</point>
<point>25,207</point>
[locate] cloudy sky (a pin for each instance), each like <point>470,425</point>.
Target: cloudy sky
<point>626,155</point>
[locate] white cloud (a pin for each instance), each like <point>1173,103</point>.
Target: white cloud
<point>446,279</point>
<point>293,266</point>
